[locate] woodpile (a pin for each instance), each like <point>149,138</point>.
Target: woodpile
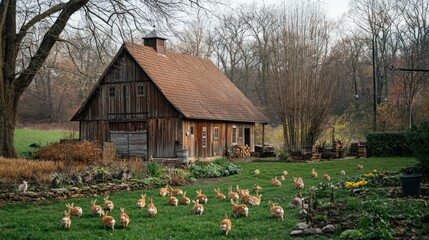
<point>240,151</point>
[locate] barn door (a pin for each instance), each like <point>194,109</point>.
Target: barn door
<point>130,144</point>
<point>192,144</point>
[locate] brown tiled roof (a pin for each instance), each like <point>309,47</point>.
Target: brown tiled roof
<point>195,86</point>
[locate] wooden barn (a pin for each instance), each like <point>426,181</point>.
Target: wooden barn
<point>152,102</point>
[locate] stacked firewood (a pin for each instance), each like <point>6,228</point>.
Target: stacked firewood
<point>240,151</point>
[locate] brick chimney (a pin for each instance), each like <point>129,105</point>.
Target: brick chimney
<point>154,41</point>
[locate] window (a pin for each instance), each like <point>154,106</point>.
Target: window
<point>234,135</point>
<point>192,131</point>
<point>216,133</point>
<point>204,136</point>
<point>140,90</point>
<point>112,92</point>
<point>240,135</point>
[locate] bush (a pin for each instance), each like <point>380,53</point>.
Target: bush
<point>83,152</point>
<point>213,170</point>
<point>418,141</point>
<point>387,144</point>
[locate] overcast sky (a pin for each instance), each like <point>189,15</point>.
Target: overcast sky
<point>335,8</point>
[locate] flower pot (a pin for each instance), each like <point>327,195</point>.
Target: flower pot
<point>411,184</point>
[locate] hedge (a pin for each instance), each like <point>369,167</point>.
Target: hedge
<point>387,144</point>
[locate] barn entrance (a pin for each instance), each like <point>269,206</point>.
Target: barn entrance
<point>130,144</point>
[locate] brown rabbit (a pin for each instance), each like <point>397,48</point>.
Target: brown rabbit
<point>66,221</point>
<point>163,191</point>
<point>198,208</point>
<point>175,191</point>
<point>74,211</point>
<point>218,194</point>
<point>276,211</point>
<point>185,200</point>
<point>326,177</point>
<point>299,183</point>
<point>257,188</point>
<point>151,209</point>
<point>173,200</point>
<point>225,225</point>
<point>142,201</point>
<point>124,218</point>
<point>108,205</point>
<point>275,182</point>
<point>313,173</point>
<point>96,210</point>
<point>255,200</point>
<point>232,195</point>
<point>239,210</point>
<point>201,198</point>
<point>108,221</point>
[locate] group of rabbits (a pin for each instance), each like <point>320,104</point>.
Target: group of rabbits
<point>238,209</point>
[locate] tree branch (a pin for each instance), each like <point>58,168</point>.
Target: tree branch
<point>46,45</point>
<point>37,19</point>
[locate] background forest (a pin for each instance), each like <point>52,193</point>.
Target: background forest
<point>309,74</point>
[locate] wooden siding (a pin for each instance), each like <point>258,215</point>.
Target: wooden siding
<point>164,137</point>
<point>215,147</point>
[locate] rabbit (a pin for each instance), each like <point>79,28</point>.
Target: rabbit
<point>283,178</point>
<point>23,187</point>
<point>201,198</point>
<point>275,182</point>
<point>285,173</point>
<point>108,205</point>
<point>239,210</point>
<point>299,183</point>
<point>255,200</point>
<point>257,171</point>
<point>108,221</point>
<point>326,177</point>
<point>198,208</point>
<point>218,194</point>
<point>175,191</point>
<point>151,209</point>
<point>296,202</point>
<point>313,173</point>
<point>142,201</point>
<point>185,200</point>
<point>342,172</point>
<point>163,191</point>
<point>232,195</point>
<point>124,218</point>
<point>257,188</point>
<point>225,225</point>
<point>359,167</point>
<point>242,191</point>
<point>96,210</point>
<point>276,211</point>
<point>74,211</point>
<point>66,221</point>
<point>173,200</point>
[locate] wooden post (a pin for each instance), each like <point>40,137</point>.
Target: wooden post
<point>263,137</point>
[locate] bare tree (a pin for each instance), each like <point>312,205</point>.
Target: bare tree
<point>19,18</point>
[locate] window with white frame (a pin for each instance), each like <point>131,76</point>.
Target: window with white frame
<point>234,135</point>
<point>216,133</point>
<point>204,137</point>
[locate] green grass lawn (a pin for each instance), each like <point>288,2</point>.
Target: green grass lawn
<point>25,137</point>
<point>41,221</point>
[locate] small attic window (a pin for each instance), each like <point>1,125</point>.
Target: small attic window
<point>112,92</point>
<point>140,90</point>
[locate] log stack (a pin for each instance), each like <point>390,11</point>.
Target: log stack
<point>240,151</point>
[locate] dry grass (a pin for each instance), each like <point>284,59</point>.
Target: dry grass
<point>16,170</point>
<point>84,152</point>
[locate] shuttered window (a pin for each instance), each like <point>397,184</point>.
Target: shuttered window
<point>204,137</point>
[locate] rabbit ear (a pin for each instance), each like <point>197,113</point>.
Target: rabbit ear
<point>226,216</point>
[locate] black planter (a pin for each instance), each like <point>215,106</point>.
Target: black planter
<point>411,184</point>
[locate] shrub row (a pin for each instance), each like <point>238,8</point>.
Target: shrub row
<point>84,152</point>
<point>387,144</point>
<point>213,169</point>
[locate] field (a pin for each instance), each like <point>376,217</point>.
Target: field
<point>25,137</point>
<point>41,221</point>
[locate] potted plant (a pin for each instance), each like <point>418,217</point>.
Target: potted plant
<point>418,141</point>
